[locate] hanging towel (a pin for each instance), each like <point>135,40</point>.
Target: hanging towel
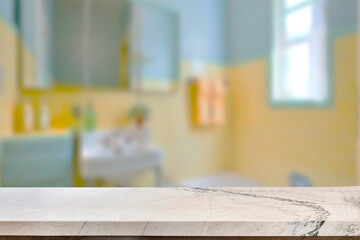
<point>218,95</point>
<point>200,95</point>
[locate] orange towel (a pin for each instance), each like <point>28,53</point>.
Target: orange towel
<point>218,88</point>
<point>217,101</point>
<point>207,97</point>
<point>204,88</point>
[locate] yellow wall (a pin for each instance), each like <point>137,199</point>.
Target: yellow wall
<point>271,143</point>
<point>8,63</point>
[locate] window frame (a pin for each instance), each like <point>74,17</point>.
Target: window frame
<point>274,68</point>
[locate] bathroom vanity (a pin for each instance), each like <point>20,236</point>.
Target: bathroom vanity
<point>181,213</point>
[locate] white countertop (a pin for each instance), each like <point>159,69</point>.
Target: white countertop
<point>180,211</point>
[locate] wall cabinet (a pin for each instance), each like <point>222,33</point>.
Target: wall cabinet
<point>129,45</point>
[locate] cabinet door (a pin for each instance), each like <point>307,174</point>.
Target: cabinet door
<point>35,19</point>
<point>155,63</point>
<point>37,161</point>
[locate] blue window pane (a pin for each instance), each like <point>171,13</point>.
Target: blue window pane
<point>296,72</point>
<point>299,23</point>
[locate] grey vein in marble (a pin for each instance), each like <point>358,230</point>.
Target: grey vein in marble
<point>180,211</point>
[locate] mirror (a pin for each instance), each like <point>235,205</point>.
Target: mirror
<point>110,44</point>
<point>156,58</point>
<point>35,55</point>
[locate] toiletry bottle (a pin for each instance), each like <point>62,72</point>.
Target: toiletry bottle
<point>44,116</point>
<point>28,116</point>
<point>90,118</point>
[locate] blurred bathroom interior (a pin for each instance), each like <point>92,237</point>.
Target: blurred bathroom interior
<point>188,93</point>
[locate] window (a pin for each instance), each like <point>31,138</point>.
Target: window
<point>299,61</point>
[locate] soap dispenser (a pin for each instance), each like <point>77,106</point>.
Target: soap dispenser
<point>89,123</point>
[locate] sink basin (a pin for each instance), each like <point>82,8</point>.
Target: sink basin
<point>106,155</point>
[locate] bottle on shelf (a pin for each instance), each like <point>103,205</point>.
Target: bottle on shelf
<point>44,116</point>
<point>89,123</point>
<point>28,118</point>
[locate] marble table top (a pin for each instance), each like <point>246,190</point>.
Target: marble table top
<point>180,211</point>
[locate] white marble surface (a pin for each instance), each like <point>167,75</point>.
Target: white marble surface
<point>180,211</point>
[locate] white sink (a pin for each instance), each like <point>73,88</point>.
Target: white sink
<point>108,156</point>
